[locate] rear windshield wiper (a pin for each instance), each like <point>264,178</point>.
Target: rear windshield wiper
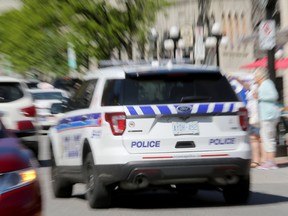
<point>194,99</point>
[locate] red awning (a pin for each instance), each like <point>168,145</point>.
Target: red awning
<point>258,63</point>
<point>279,64</point>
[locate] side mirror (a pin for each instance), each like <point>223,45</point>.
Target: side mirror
<point>56,108</point>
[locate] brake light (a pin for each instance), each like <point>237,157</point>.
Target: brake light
<point>29,111</point>
<point>25,125</point>
<point>243,118</point>
<point>117,122</point>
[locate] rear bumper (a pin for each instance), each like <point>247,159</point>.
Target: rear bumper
<point>173,171</point>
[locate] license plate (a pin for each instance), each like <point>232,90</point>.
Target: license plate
<point>180,128</point>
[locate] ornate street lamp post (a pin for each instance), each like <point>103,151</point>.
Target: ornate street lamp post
<point>153,38</point>
<point>216,40</point>
<point>174,35</point>
<point>216,32</point>
<point>169,46</point>
<point>181,47</point>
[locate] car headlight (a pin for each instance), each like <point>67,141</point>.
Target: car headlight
<point>16,179</point>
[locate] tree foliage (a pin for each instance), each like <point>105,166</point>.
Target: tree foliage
<point>36,35</point>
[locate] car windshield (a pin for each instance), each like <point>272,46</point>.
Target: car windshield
<point>47,96</point>
<point>10,91</point>
<point>163,89</point>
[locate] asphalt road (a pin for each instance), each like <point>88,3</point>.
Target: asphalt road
<point>269,198</point>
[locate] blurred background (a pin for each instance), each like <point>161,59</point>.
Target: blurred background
<point>48,39</point>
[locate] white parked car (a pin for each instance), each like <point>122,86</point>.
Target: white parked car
<point>133,127</point>
<point>43,99</point>
<point>19,111</point>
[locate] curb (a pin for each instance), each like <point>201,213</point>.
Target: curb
<point>281,160</point>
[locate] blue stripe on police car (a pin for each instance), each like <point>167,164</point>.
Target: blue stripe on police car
<point>180,109</point>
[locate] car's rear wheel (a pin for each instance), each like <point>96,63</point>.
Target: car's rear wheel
<point>238,193</point>
<point>61,187</point>
<point>97,194</point>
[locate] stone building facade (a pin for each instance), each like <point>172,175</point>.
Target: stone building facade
<point>234,17</point>
<point>9,4</point>
<point>238,19</point>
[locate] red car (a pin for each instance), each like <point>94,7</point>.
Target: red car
<point>19,185</point>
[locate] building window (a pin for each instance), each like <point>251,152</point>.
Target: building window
<point>243,21</point>
<point>231,28</point>
<point>237,28</point>
<point>224,23</point>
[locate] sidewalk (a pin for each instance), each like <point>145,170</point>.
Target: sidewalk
<point>282,161</point>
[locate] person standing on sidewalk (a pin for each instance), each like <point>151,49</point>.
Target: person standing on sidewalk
<point>254,127</point>
<point>253,115</point>
<point>269,114</point>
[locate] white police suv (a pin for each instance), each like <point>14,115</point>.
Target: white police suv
<point>132,127</point>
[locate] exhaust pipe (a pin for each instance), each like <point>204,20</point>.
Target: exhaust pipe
<point>139,181</point>
<point>229,179</point>
<point>232,179</point>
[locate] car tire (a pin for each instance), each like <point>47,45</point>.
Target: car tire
<point>238,193</point>
<point>97,194</point>
<point>61,188</point>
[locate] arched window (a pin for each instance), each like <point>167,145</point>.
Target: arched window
<point>231,28</point>
<point>224,23</point>
<point>237,27</point>
<point>243,21</point>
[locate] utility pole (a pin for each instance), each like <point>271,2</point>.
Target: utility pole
<point>270,8</point>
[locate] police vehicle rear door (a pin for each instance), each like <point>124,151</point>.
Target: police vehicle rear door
<point>179,110</point>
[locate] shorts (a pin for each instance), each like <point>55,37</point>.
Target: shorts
<point>253,130</point>
<point>268,134</point>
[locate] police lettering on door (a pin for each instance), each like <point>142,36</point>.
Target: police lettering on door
<point>145,144</point>
<point>71,146</point>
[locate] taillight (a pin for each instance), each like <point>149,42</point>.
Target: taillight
<point>243,118</point>
<point>29,111</point>
<point>25,125</point>
<point>117,122</point>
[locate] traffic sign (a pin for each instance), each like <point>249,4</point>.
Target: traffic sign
<point>267,34</point>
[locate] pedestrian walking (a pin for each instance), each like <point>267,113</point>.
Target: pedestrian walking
<point>254,126</point>
<point>269,114</point>
<point>254,123</point>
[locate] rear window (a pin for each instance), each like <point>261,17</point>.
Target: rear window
<point>47,96</point>
<point>10,92</point>
<point>163,89</point>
